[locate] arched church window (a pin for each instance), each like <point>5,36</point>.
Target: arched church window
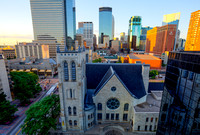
<point>69,110</point>
<point>70,93</point>
<point>126,107</point>
<point>99,107</point>
<point>66,73</point>
<point>73,71</point>
<point>74,110</point>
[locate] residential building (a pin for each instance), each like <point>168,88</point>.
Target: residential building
<point>4,83</point>
<point>105,22</point>
<point>179,112</point>
<point>104,98</point>
<point>86,29</point>
<point>135,29</point>
<point>143,37</point>
<point>173,19</point>
<point>33,49</point>
<point>193,35</point>
<point>161,39</point>
<point>9,53</point>
<point>54,27</point>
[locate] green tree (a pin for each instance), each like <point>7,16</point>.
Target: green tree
<point>7,110</point>
<point>153,74</point>
<point>97,60</point>
<point>25,85</point>
<point>42,116</point>
<point>119,60</point>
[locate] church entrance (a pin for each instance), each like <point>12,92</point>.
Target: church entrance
<point>113,132</point>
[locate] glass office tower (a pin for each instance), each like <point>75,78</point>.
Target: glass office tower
<point>105,22</point>
<point>180,106</point>
<point>54,20</point>
<point>135,29</point>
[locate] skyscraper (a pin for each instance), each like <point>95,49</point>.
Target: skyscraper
<point>122,36</point>
<point>143,37</point>
<point>172,19</point>
<point>105,22</point>
<point>113,27</point>
<point>180,112</point>
<point>54,22</point>
<point>135,29</point>
<point>86,29</point>
<point>193,36</point>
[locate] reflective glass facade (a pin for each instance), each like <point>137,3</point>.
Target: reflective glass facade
<point>54,20</point>
<point>180,106</point>
<point>143,37</point>
<point>106,21</point>
<point>135,29</point>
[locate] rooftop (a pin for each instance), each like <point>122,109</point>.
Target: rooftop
<point>143,56</point>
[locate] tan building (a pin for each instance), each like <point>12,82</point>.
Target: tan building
<point>193,36</point>
<point>115,45</point>
<point>4,83</point>
<point>9,53</point>
<point>33,49</point>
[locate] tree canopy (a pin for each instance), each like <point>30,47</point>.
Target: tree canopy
<point>153,74</point>
<point>25,85</point>
<point>41,116</point>
<point>96,60</point>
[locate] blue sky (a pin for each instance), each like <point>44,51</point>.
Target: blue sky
<point>16,22</point>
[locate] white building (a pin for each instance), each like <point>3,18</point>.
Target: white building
<point>104,98</point>
<point>86,29</point>
<point>4,84</point>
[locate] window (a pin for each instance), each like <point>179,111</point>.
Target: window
<point>165,107</point>
<point>152,119</point>
<point>155,127</point>
<point>112,116</point>
<point>125,117</point>
<point>88,124</point>
<point>147,119</point>
<point>88,117</point>
<point>150,128</point>
<point>117,116</point>
<point>73,71</point>
<point>66,73</point>
<point>70,93</point>
<point>156,119</point>
<point>113,103</point>
<point>185,73</point>
<point>113,88</point>
<point>107,116</point>
<point>69,110</point>
<point>99,106</point>
<point>70,122</point>
<point>138,128</point>
<point>75,123</point>
<point>74,110</point>
<point>191,76</point>
<point>99,116</point>
<point>146,127</point>
<point>126,107</point>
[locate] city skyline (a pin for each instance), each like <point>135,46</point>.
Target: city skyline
<point>17,24</point>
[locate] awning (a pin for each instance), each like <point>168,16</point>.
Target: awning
<point>14,70</point>
<point>21,70</point>
<point>42,71</point>
<point>27,70</point>
<point>48,71</point>
<point>34,69</point>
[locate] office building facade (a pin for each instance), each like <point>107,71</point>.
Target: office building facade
<point>122,36</point>
<point>179,112</point>
<point>105,22</point>
<point>135,29</point>
<point>86,29</point>
<point>143,37</point>
<point>54,22</point>
<point>193,35</point>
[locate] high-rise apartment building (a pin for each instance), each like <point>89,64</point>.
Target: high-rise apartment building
<point>135,29</point>
<point>193,36</point>
<point>54,22</point>
<point>105,22</point>
<point>86,29</point>
<point>143,37</point>
<point>180,106</point>
<point>160,39</point>
<point>173,19</point>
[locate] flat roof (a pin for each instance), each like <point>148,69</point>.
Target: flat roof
<point>143,56</point>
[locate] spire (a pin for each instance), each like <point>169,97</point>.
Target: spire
<point>58,49</point>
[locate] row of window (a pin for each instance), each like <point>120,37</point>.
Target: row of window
<point>90,124</point>
<point>90,116</point>
<point>75,123</point>
<point>147,119</point>
<point>70,110</point>
<point>146,128</point>
<point>112,116</point>
<point>99,107</point>
<point>73,71</point>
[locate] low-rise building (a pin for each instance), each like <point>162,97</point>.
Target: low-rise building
<point>9,52</point>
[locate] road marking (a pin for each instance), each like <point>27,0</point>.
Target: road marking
<point>18,131</point>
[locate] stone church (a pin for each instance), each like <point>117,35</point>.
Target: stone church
<point>104,98</point>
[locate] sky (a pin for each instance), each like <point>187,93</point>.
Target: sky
<point>16,21</point>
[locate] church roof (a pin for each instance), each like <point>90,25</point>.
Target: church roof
<point>129,74</point>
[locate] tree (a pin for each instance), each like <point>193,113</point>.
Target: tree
<point>153,74</point>
<point>25,86</point>
<point>96,60</point>
<point>42,116</point>
<point>119,60</point>
<point>7,110</point>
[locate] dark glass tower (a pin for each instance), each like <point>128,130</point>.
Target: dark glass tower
<point>180,107</point>
<point>54,20</point>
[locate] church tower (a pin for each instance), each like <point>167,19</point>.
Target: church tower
<point>72,89</point>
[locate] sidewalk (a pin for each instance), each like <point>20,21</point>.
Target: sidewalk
<point>5,129</point>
